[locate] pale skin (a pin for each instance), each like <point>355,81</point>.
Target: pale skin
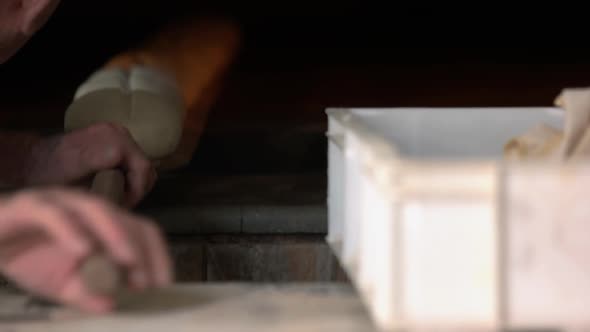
<point>47,230</point>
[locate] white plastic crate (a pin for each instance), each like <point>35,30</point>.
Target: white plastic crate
<point>437,232</point>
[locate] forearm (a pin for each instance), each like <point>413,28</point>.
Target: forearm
<point>15,151</point>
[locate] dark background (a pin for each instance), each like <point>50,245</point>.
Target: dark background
<point>251,205</point>
<point>299,57</point>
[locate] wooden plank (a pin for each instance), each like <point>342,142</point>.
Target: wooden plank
<point>219,308</point>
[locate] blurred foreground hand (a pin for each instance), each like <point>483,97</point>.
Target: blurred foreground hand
<point>46,234</point>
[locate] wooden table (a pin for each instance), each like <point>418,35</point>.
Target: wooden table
<point>215,307</point>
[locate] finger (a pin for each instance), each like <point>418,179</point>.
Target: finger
<point>75,294</point>
<point>157,254</point>
<point>154,178</point>
<point>91,149</point>
<point>117,149</point>
<point>139,169</point>
<point>43,268</point>
<point>140,178</point>
<point>32,210</point>
<point>138,185</point>
<point>102,221</point>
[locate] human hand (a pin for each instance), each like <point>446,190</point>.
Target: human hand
<point>78,154</point>
<point>45,235</point>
